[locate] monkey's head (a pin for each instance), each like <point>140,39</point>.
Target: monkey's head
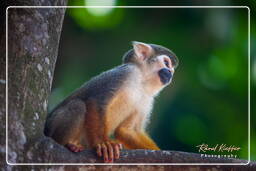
<point>156,63</point>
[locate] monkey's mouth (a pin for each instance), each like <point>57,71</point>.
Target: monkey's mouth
<point>165,75</point>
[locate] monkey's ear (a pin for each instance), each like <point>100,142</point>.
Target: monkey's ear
<point>142,50</point>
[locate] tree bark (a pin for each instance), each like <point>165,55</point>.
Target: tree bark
<point>2,85</point>
<point>33,39</point>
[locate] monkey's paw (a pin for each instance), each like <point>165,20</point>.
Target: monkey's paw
<point>74,148</point>
<point>109,150</point>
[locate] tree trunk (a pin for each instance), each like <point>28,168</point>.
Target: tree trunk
<point>33,39</point>
<point>2,86</point>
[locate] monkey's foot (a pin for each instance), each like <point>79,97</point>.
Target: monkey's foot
<point>109,150</point>
<point>74,148</point>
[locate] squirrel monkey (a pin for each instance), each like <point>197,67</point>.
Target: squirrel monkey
<point>116,103</point>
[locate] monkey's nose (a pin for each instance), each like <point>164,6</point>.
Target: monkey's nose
<point>165,75</point>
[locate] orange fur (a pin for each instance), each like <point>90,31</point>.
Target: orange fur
<point>132,135</point>
<point>116,112</point>
<point>93,125</point>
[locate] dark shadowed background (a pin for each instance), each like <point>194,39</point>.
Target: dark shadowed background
<point>208,99</point>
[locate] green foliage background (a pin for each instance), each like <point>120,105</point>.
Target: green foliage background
<point>208,99</point>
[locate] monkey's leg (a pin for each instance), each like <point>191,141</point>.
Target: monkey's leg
<point>66,125</point>
<point>133,139</point>
<point>131,134</point>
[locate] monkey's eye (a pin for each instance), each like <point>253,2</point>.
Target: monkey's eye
<point>166,63</point>
<point>152,60</point>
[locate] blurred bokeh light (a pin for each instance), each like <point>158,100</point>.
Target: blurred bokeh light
<point>100,11</point>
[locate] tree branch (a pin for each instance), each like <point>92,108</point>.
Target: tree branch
<point>62,155</point>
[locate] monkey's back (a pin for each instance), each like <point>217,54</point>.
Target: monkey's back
<point>100,88</point>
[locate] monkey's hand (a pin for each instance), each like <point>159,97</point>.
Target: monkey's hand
<point>109,150</point>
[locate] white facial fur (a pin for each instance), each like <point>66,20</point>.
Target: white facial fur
<point>144,83</point>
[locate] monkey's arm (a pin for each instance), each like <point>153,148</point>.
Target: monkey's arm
<point>133,136</point>
<point>97,136</point>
